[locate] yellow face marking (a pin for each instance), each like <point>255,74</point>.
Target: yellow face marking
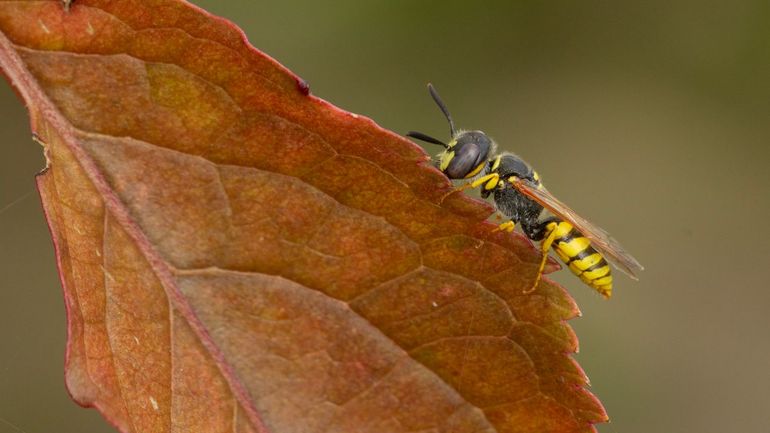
<point>536,176</point>
<point>446,158</point>
<point>476,170</point>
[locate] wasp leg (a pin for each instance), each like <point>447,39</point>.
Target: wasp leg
<point>507,226</point>
<point>489,180</point>
<point>545,246</point>
<point>462,187</point>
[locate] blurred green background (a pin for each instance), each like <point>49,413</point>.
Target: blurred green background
<point>650,118</point>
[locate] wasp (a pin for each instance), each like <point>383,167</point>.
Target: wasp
<point>521,197</point>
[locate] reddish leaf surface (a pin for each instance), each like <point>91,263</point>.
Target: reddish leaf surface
<point>237,255</point>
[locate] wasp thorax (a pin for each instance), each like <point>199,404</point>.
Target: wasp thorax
<point>466,154</point>
<point>512,165</point>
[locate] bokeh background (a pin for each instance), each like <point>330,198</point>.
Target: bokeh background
<point>652,118</point>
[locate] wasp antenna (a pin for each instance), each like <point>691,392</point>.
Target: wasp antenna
<point>443,108</point>
<point>426,138</point>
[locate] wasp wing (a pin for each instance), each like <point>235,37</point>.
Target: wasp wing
<point>600,239</point>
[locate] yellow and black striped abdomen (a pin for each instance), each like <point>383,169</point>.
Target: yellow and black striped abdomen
<point>581,258</point>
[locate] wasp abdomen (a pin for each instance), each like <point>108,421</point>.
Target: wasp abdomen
<point>581,258</point>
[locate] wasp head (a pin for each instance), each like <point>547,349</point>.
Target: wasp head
<point>466,154</point>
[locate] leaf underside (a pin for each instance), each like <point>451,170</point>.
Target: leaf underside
<point>240,256</point>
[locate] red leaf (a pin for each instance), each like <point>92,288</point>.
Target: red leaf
<point>240,256</point>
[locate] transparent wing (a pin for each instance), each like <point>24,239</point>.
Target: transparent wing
<point>600,239</point>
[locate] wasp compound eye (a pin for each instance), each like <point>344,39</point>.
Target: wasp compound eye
<point>470,152</point>
<point>464,161</point>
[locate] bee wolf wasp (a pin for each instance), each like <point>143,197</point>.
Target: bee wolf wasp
<point>520,196</point>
